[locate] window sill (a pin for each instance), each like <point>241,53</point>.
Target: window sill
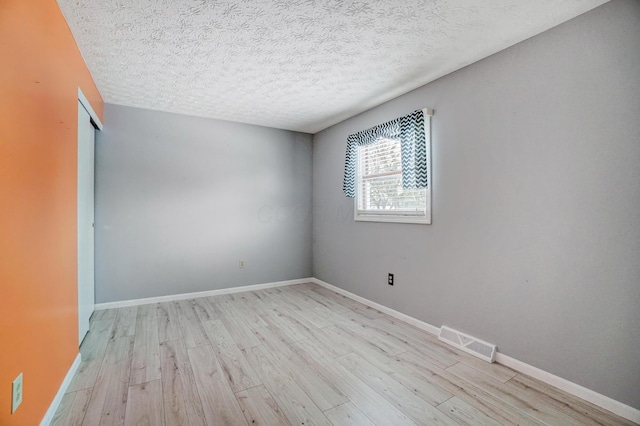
<point>422,220</point>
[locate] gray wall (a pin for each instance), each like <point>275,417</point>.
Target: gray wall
<point>535,241</point>
<point>180,200</point>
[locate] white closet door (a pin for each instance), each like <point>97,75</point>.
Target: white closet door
<point>86,167</point>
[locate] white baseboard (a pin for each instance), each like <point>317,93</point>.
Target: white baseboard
<point>602,401</point>
<point>183,296</point>
<point>399,315</point>
<point>593,397</point>
<point>48,417</point>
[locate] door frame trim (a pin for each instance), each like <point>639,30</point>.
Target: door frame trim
<point>96,124</point>
<point>87,105</point>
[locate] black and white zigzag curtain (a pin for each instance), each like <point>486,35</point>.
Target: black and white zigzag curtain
<point>409,129</point>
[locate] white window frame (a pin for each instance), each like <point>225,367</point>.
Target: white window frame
<point>392,216</point>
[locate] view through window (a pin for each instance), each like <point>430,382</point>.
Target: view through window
<point>379,182</point>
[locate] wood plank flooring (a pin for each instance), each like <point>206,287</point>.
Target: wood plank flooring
<point>296,355</point>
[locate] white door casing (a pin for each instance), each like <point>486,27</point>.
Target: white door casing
<point>86,179</point>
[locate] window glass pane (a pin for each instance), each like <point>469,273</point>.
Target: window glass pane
<point>382,157</point>
<point>379,181</point>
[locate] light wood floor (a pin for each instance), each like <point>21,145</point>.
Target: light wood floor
<point>299,355</point>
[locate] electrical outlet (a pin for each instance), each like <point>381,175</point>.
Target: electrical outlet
<point>16,393</point>
<point>241,264</point>
<point>390,279</point>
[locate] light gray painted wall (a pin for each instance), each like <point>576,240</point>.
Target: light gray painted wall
<point>180,200</point>
<point>535,241</point>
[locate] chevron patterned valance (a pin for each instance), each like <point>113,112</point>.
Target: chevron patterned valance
<point>409,129</point>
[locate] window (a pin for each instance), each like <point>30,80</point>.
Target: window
<point>387,170</point>
<point>380,195</point>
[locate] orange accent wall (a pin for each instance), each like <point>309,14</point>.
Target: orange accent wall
<point>40,72</point>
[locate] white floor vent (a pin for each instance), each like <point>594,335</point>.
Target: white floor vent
<point>482,350</point>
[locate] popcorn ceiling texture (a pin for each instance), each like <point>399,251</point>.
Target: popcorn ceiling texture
<point>292,64</point>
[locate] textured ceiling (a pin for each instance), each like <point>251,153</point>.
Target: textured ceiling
<point>292,64</point>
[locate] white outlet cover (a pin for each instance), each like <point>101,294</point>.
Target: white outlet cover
<point>16,393</point>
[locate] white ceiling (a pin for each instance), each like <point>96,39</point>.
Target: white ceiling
<point>292,64</point>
